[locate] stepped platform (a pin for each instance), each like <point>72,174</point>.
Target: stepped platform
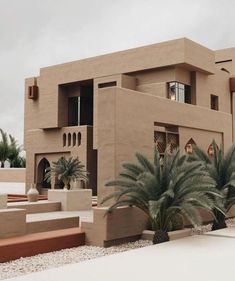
<point>33,244</point>
<point>41,222</point>
<point>43,206</point>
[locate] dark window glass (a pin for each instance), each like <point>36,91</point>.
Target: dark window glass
<point>214,102</point>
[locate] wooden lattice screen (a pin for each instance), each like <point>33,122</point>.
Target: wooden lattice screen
<point>172,141</point>
<point>164,139</point>
<point>160,140</point>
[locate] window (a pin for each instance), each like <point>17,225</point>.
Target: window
<point>107,84</point>
<point>166,139</point>
<point>73,111</point>
<point>179,92</point>
<point>214,102</point>
<point>189,146</point>
<point>64,139</point>
<point>80,103</point>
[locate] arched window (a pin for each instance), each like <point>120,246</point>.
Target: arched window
<point>64,139</point>
<point>211,148</point>
<point>74,139</point>
<point>79,139</point>
<point>189,146</point>
<point>69,139</point>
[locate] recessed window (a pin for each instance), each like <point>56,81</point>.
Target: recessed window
<point>107,84</point>
<point>179,92</point>
<point>214,102</point>
<point>164,139</point>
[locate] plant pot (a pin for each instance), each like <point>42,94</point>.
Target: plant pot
<point>33,194</point>
<point>76,185</point>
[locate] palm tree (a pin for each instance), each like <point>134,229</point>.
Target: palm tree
<point>14,153</point>
<point>67,171</point>
<point>221,168</point>
<point>4,148</point>
<point>166,192</point>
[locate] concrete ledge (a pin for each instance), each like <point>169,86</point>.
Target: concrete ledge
<point>122,225</point>
<point>173,235</point>
<point>72,200</point>
<point>13,222</point>
<point>36,207</point>
<point>12,175</point>
<point>49,221</point>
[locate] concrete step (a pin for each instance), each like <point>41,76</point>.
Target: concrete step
<point>33,244</point>
<point>42,222</point>
<point>43,206</point>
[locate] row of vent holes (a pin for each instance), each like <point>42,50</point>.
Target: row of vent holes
<point>76,139</point>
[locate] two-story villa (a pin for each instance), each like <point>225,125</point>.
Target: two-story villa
<point>104,109</point>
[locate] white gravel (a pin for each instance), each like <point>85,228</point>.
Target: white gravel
<point>206,228</point>
<point>41,262</point>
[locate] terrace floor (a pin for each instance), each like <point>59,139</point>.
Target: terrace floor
<point>12,187</point>
<point>200,257</point>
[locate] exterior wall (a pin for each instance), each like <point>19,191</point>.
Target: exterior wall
<point>12,175</point>
<point>49,145</point>
<point>171,53</point>
<point>122,225</point>
<point>126,126</point>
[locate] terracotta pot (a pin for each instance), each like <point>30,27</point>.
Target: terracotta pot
<point>33,194</point>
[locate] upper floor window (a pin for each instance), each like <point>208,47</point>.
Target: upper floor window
<point>179,92</point>
<point>214,102</point>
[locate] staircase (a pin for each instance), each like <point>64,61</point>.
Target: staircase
<point>39,227</point>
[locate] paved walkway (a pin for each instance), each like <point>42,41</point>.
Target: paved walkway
<point>204,258</point>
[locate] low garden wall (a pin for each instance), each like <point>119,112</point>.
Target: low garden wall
<point>12,175</point>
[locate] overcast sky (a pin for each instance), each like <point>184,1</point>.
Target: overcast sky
<point>35,34</point>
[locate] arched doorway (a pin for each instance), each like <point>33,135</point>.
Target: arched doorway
<point>41,171</point>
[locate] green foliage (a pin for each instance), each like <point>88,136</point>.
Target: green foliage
<point>165,192</point>
<point>67,170</point>
<point>221,169</point>
<point>10,150</point>
<point>4,147</point>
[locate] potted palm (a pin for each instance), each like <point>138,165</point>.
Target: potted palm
<point>166,192</point>
<point>69,171</point>
<point>221,169</point>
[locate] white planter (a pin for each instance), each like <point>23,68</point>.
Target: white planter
<point>72,200</point>
<point>173,235</point>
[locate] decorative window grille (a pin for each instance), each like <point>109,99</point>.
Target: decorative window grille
<point>166,139</point>
<point>160,140</point>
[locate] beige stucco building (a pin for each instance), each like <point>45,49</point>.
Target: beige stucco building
<point>104,109</point>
